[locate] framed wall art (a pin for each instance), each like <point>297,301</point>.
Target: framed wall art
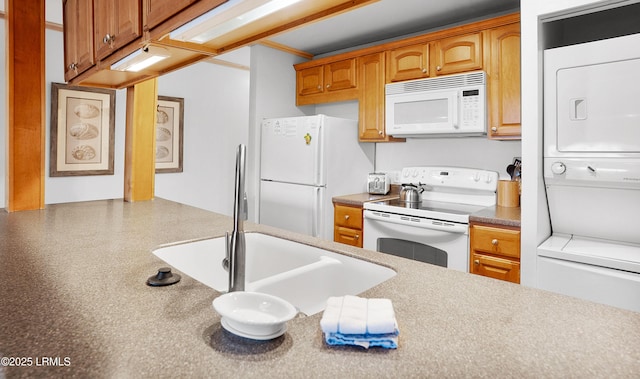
<point>169,134</point>
<point>82,130</point>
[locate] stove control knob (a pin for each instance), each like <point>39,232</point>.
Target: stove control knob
<point>476,177</point>
<point>558,168</point>
<point>488,179</point>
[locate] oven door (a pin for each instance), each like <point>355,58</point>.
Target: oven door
<point>437,242</point>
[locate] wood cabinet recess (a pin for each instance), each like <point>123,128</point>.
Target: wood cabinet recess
<point>116,25</point>
<point>347,227</point>
<point>458,54</point>
<point>495,251</point>
<point>408,62</point>
<point>156,11</point>
<point>78,37</point>
<point>504,83</point>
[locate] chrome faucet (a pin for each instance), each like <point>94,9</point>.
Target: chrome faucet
<point>235,243</point>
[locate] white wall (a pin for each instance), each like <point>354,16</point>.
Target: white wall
<point>216,120</point>
<point>535,218</point>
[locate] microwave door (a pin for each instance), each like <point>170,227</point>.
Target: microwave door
<point>422,113</point>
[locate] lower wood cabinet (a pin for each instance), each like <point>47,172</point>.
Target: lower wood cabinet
<point>348,225</point>
<point>495,251</point>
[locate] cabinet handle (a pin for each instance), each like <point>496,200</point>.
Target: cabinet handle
<point>109,39</point>
<point>494,128</point>
<point>438,68</point>
<point>476,262</point>
<point>357,236</point>
<point>424,70</point>
<point>379,132</point>
<point>319,87</point>
<point>328,85</point>
<point>346,217</point>
<point>494,242</point>
<point>73,67</point>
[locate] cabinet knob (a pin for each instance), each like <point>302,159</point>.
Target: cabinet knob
<point>73,67</point>
<point>379,132</point>
<point>319,87</point>
<point>494,128</point>
<point>438,68</point>
<point>476,262</point>
<point>108,39</point>
<point>494,242</point>
<point>328,85</point>
<point>357,236</point>
<point>346,217</point>
<point>424,70</point>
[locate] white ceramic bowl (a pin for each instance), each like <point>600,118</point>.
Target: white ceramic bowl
<point>253,314</point>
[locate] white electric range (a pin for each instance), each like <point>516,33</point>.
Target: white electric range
<point>435,230</point>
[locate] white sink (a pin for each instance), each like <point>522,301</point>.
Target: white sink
<point>301,274</point>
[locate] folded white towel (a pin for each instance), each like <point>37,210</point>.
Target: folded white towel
<point>351,320</point>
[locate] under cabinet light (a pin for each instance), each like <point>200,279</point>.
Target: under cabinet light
<point>141,59</point>
<point>226,18</point>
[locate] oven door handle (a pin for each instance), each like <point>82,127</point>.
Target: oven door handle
<point>418,222</point>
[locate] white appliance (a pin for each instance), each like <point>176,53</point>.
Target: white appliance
<point>592,171</point>
<point>452,105</point>
<point>436,230</point>
<point>304,162</point>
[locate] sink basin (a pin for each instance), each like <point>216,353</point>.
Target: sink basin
<point>303,275</point>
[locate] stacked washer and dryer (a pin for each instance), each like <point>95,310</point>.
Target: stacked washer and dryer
<point>592,171</point>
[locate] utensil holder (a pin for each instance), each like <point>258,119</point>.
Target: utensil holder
<point>508,193</point>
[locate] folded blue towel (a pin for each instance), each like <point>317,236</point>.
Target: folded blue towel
<point>351,320</point>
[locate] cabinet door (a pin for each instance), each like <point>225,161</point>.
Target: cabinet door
<point>504,83</point>
<point>458,54</point>
<point>371,71</point>
<point>494,267</point>
<point>310,81</point>
<point>117,23</point>
<point>340,75</point>
<point>408,62</point>
<point>78,37</point>
<point>156,11</point>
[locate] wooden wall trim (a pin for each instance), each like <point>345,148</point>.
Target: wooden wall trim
<point>25,74</point>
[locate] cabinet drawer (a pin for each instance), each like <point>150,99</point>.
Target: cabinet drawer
<point>347,236</point>
<point>499,241</point>
<point>349,217</point>
<point>494,267</point>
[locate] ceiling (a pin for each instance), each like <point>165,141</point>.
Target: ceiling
<point>387,19</point>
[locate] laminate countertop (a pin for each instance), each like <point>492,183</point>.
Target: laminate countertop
<point>74,303</point>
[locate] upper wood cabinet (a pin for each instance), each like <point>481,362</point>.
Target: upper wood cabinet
<point>118,23</point>
<point>156,11</point>
<point>504,83</point>
<point>408,62</point>
<point>78,37</point>
<point>458,54</point>
<point>335,81</point>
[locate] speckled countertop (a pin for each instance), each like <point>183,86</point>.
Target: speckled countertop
<point>497,215</point>
<point>73,293</point>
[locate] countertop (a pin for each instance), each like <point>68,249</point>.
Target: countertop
<point>497,215</point>
<point>74,303</point>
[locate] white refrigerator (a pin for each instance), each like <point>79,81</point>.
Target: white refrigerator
<point>305,162</point>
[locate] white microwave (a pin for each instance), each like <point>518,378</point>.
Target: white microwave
<point>445,106</point>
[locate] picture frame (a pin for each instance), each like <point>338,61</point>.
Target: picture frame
<point>169,134</point>
<point>82,130</point>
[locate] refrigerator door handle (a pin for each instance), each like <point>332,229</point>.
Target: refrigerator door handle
<point>317,213</point>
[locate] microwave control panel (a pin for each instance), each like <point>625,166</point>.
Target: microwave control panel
<point>472,111</point>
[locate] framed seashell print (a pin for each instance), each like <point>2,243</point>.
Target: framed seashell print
<point>82,130</point>
<point>169,134</point>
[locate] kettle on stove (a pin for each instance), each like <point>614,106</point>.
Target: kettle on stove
<point>411,193</point>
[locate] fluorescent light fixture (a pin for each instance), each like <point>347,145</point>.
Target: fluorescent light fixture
<point>226,18</point>
<point>141,59</point>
